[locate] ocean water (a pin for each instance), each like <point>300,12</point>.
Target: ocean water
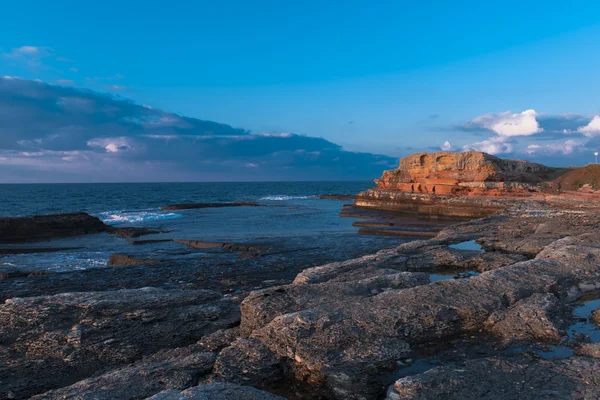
<point>301,229</point>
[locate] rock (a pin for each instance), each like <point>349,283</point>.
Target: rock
<point>54,341</point>
<point>413,256</point>
<point>190,206</point>
<point>596,317</point>
<point>170,369</point>
<point>322,340</point>
<point>337,196</point>
<point>527,319</point>
<point>133,232</point>
<point>124,260</point>
<point>220,339</point>
<point>149,241</point>
<point>217,391</point>
<point>466,184</point>
<point>32,250</point>
<point>216,245</point>
<point>588,349</point>
<point>249,362</point>
<point>515,378</point>
<point>264,306</point>
<point>19,229</point>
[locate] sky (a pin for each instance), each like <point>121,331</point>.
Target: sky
<point>272,90</point>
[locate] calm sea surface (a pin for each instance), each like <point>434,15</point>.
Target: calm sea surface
<point>306,230</point>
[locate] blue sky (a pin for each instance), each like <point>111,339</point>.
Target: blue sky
<point>517,79</point>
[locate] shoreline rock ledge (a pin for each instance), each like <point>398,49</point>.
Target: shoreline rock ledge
<point>468,184</point>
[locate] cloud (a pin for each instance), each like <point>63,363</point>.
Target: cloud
<point>592,129</point>
<point>61,133</point>
<point>494,145</point>
<point>447,146</point>
<point>508,124</point>
<point>567,147</point>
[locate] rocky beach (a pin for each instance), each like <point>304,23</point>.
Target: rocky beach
<point>492,293</point>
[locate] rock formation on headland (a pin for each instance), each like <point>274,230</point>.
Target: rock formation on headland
<point>468,184</point>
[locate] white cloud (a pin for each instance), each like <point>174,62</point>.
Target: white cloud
<point>592,129</point>
<point>566,147</point>
<point>112,145</point>
<point>508,124</point>
<point>494,145</point>
<point>447,146</point>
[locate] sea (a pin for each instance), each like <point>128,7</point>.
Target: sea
<point>300,229</point>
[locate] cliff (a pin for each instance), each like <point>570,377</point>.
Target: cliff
<point>469,184</point>
<point>463,173</point>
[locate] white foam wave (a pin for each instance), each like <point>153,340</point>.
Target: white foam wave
<point>132,217</point>
<point>283,197</point>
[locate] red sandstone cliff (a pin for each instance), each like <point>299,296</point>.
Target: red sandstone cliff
<point>462,174</point>
<point>469,184</point>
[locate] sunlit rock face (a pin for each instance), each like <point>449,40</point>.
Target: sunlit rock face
<point>461,174</point>
<point>469,184</point>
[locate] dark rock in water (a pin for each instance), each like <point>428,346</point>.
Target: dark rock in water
<point>337,196</point>
<point>249,362</point>
<point>191,206</point>
<point>168,369</point>
<point>514,378</point>
<point>133,232</point>
<point>149,241</point>
<point>124,260</point>
<point>53,341</point>
<point>32,250</point>
<point>217,391</point>
<point>20,229</point>
<point>226,246</point>
<point>527,319</point>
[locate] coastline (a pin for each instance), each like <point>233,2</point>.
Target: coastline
<point>356,328</point>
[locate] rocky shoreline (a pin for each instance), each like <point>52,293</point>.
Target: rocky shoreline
<point>396,324</point>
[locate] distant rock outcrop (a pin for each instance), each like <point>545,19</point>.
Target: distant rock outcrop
<point>471,184</point>
<point>463,173</point>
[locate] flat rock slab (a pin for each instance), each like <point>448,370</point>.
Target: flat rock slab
<point>170,369</point>
<point>53,341</point>
<point>518,378</point>
<point>20,229</point>
<point>191,206</point>
<point>124,260</point>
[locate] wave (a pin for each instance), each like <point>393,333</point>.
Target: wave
<point>283,197</point>
<point>132,217</point>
